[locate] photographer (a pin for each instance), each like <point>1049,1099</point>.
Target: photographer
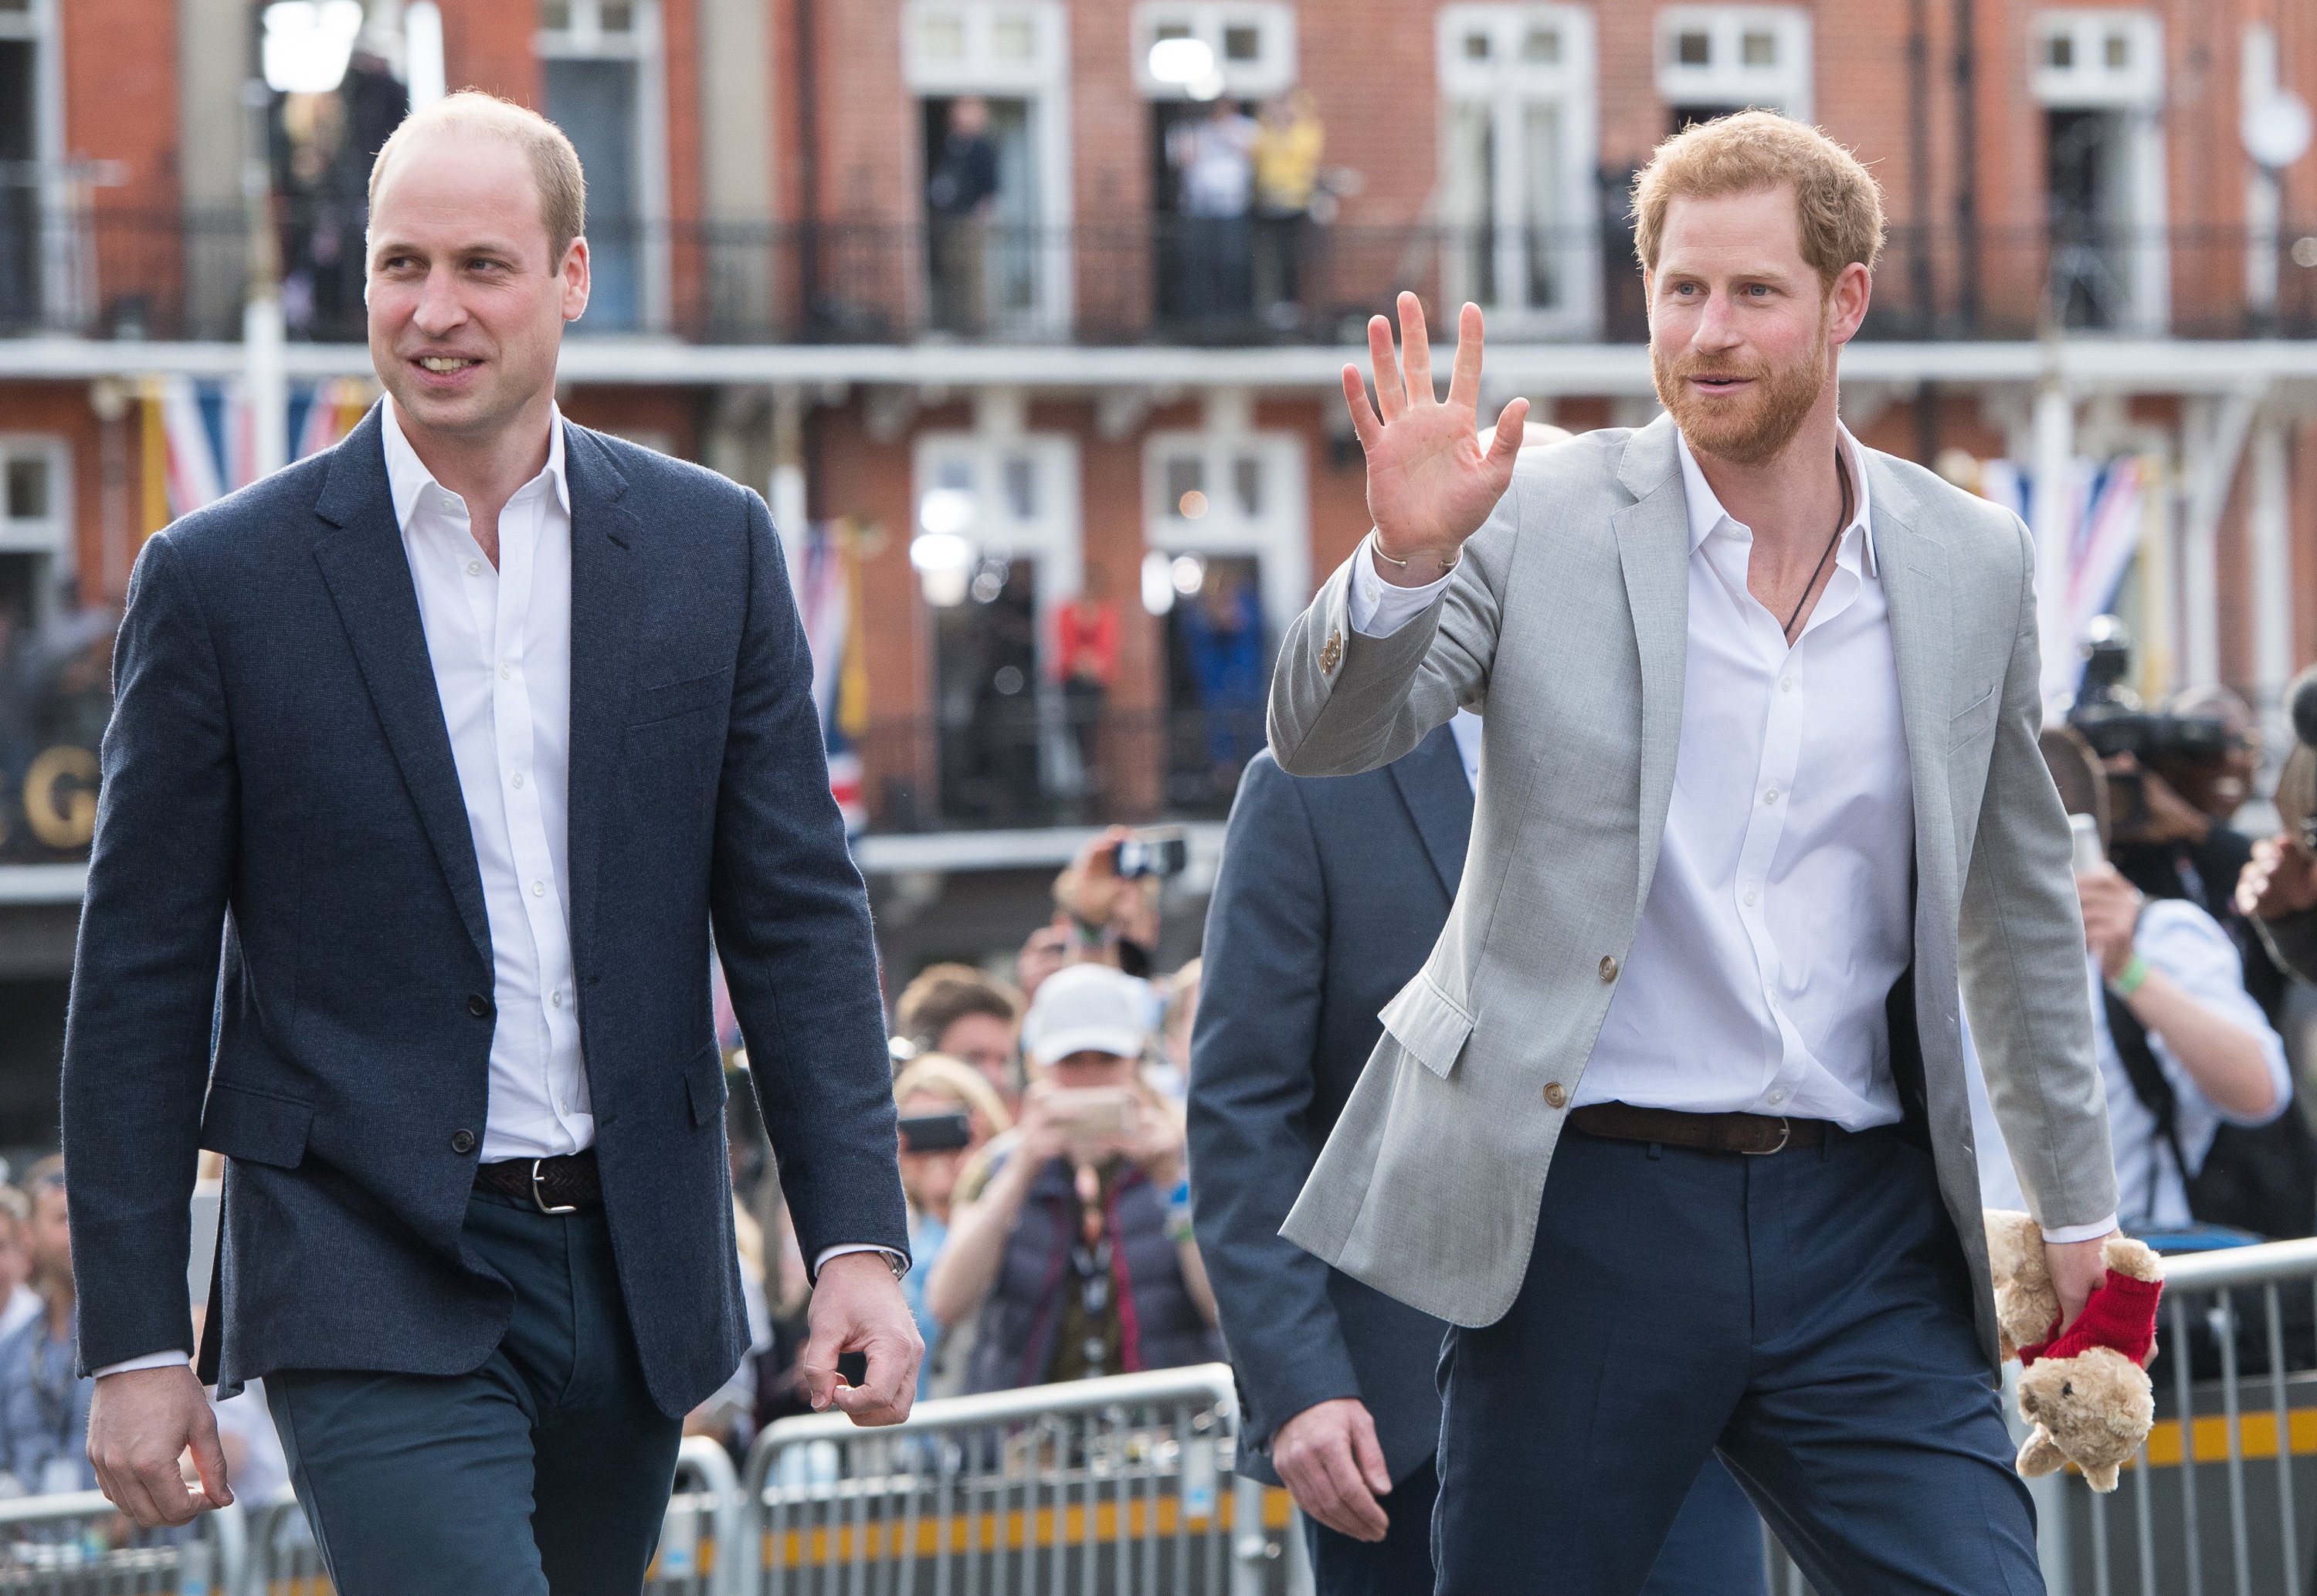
<point>1076,1252</point>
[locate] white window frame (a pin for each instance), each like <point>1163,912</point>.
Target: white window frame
<point>1054,537</point>
<point>1280,537</point>
<point>51,534</point>
<point>1044,79</point>
<point>644,44</point>
<point>1726,80</point>
<point>2136,94</point>
<point>1272,72</point>
<point>1509,85</point>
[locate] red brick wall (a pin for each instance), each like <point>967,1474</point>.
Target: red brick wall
<point>119,79</point>
<point>489,44</point>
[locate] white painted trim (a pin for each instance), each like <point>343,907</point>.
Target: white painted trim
<point>1056,538</point>
<point>42,883</point>
<point>2091,84</point>
<point>645,44</point>
<point>1726,80</point>
<point>53,534</point>
<point>1280,538</point>
<point>894,854</point>
<point>1273,72</point>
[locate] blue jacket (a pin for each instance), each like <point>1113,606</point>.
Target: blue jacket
<point>279,788</point>
<point>1330,894</point>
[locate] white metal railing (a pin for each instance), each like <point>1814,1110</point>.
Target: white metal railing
<point>76,1544</point>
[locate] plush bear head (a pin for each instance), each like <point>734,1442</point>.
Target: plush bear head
<point>2092,1410</point>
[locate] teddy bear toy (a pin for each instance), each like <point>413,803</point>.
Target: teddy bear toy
<point>2086,1393</point>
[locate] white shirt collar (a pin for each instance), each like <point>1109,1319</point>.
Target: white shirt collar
<point>1705,511</point>
<point>408,477</point>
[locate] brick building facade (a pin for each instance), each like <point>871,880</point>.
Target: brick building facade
<point>1136,403</point>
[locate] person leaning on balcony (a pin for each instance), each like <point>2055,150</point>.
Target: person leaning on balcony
<point>960,193</point>
<point>454,743</point>
<point>1672,1126</point>
<point>1075,1258</point>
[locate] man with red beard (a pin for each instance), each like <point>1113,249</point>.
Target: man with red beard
<point>1671,1126</point>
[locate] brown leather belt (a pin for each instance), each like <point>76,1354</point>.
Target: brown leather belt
<point>561,1185</point>
<point>1752,1133</point>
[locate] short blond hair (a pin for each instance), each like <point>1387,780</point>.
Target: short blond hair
<point>941,1076</point>
<point>554,164</point>
<point>1837,199</point>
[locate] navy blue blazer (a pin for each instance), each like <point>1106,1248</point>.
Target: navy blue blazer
<point>1331,893</point>
<point>279,788</point>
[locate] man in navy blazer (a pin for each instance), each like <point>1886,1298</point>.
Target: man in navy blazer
<point>1331,893</point>
<point>451,744</point>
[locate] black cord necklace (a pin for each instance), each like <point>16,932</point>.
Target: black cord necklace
<point>1841,474</point>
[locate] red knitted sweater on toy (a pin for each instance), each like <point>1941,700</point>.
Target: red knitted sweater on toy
<point>2120,1314</point>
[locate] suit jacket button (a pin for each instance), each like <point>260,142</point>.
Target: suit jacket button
<point>1608,967</point>
<point>462,1142</point>
<point>1555,1097</point>
<point>478,1005</point>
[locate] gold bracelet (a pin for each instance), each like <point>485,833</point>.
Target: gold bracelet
<point>1402,563</point>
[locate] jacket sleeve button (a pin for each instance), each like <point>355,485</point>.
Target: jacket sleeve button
<point>1555,1095</point>
<point>1608,967</point>
<point>462,1142</point>
<point>478,1005</point>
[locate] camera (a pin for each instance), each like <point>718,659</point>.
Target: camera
<point>1158,850</point>
<point>2109,717</point>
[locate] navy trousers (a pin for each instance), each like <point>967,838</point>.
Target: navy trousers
<point>1713,1549</point>
<point>549,1469</point>
<point>1807,1315</point>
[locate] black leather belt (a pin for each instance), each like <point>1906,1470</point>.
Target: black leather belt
<point>1753,1134</point>
<point>561,1185</point>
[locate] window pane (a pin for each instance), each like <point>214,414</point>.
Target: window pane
<point>618,16</point>
<point>555,15</point>
<point>1693,50</point>
<point>28,489</point>
<point>15,7</point>
<point>1014,38</point>
<point>942,37</point>
<point>1542,193</point>
<point>1471,203</point>
<point>1165,31</point>
<point>1186,481</point>
<point>2119,51</point>
<point>1476,47</point>
<point>1542,44</point>
<point>2059,51</point>
<point>955,474</point>
<point>1759,50</point>
<point>1243,41</point>
<point>1022,486</point>
<point>1246,484</point>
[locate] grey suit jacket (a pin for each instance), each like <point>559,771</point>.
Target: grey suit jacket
<point>1566,626</point>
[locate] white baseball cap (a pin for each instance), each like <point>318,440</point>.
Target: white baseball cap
<point>1087,1008</point>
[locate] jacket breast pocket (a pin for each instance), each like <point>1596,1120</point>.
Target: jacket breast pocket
<point>651,705</point>
<point>703,1081</point>
<point>255,1126</point>
<point>1975,716</point>
<point>1430,1024</point>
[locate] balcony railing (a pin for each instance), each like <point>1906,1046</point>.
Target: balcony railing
<point>107,273</point>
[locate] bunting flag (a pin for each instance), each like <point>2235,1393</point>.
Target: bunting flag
<point>210,444</point>
<point>2105,504</point>
<point>824,573</point>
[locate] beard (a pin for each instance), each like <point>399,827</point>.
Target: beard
<point>1755,429</point>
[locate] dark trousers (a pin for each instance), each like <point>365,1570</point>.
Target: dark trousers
<point>1806,1315</point>
<point>1713,1549</point>
<point>548,1468</point>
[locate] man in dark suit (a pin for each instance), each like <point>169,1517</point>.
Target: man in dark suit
<point>1331,893</point>
<point>455,740</point>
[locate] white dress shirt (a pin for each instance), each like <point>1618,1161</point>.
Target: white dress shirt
<point>1780,913</point>
<point>2186,943</point>
<point>500,641</point>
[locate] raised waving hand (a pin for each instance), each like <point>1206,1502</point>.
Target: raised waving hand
<point>1431,483</point>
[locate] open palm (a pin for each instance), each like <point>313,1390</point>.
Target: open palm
<point>1431,483</point>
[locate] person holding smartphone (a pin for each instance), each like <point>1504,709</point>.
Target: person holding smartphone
<point>949,1112</point>
<point>1073,1258</point>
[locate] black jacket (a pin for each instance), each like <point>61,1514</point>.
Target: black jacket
<point>1331,893</point>
<point>279,784</point>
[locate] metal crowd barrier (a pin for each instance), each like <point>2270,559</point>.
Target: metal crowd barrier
<point>1120,1486</point>
<point>77,1545</point>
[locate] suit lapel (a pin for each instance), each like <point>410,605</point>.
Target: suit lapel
<point>603,611</point>
<point>368,575</point>
<point>1439,799</point>
<point>1653,552</point>
<point>1913,569</point>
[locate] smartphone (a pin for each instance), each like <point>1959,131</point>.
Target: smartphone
<point>934,1132</point>
<point>1093,1114</point>
<point>1157,851</point>
<point>2088,853</point>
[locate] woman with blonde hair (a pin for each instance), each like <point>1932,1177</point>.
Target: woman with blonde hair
<point>934,1088</point>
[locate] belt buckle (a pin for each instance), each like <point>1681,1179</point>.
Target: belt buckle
<point>1785,1135</point>
<point>540,1200</point>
